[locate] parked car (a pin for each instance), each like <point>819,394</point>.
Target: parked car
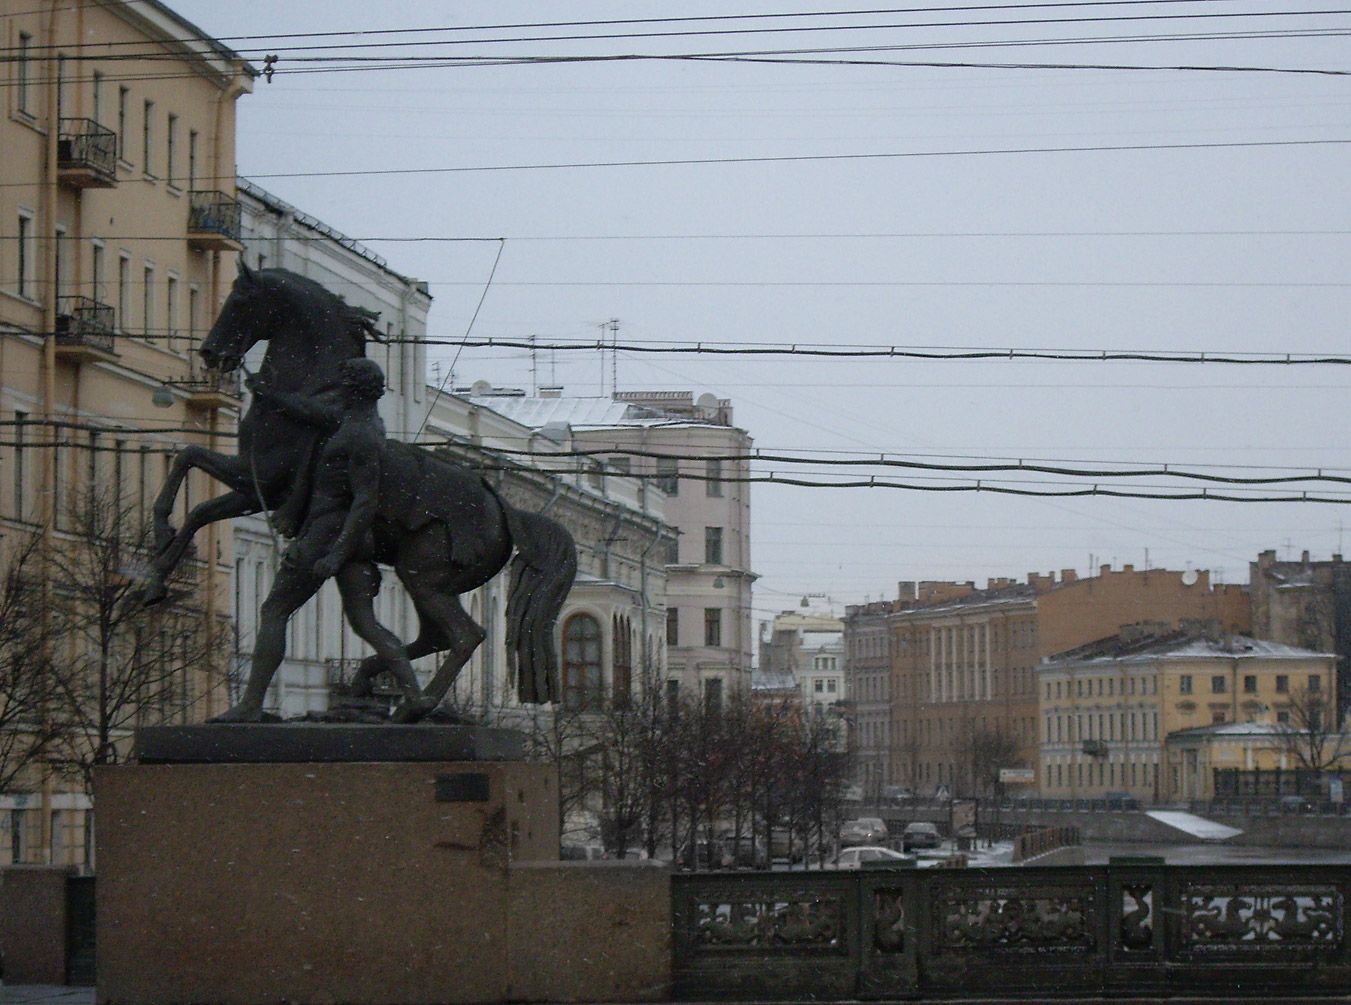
<point>581,852</point>
<point>897,795</point>
<point>867,856</point>
<point>744,852</point>
<point>920,834</point>
<point>864,830</point>
<point>1121,801</point>
<point>1295,804</point>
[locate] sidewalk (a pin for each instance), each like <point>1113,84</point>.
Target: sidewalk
<point>47,994</point>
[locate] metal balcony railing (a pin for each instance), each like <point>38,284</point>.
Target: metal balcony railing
<point>86,154</point>
<point>84,322</point>
<point>214,220</point>
<point>212,386</point>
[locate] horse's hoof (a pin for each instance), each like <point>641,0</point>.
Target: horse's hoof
<point>412,709</point>
<point>153,592</point>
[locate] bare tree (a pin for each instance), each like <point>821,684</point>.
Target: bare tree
<point>979,751</point>
<point>117,665</point>
<point>28,731</point>
<point>1312,735</point>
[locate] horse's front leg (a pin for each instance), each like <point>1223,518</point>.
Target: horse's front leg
<point>221,467</point>
<point>155,587</point>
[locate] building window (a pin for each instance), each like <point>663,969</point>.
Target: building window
<point>1315,683</point>
<point>581,664</point>
<point>713,545</point>
<point>1282,684</point>
<point>96,270</point>
<point>24,280</point>
<point>148,137</point>
<point>123,99</point>
<point>1217,685</point>
<point>124,291</point>
<point>672,626</point>
<point>668,475</point>
<point>20,419</point>
<point>192,158</point>
<point>672,696</point>
<point>170,141</point>
<point>622,677</point>
<point>192,318</point>
<point>21,75</point>
<point>1283,716</point>
<point>171,314</point>
<point>713,476</point>
<point>98,97</point>
<point>713,695</point>
<point>148,302</point>
<point>1250,684</point>
<point>1184,684</point>
<point>832,686</point>
<point>1216,717</point>
<point>712,626</point>
<point>819,686</point>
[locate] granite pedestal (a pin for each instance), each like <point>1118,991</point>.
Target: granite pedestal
<point>322,875</point>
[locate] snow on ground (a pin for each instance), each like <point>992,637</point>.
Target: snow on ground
<point>1189,823</point>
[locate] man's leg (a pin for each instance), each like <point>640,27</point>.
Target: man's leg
<point>294,585</point>
<point>359,582</point>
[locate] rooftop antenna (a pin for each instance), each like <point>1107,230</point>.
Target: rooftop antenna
<point>534,368</point>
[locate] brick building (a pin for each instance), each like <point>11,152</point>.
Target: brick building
<point>963,688</point>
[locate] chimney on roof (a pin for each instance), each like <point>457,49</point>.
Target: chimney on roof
<point>1068,576</point>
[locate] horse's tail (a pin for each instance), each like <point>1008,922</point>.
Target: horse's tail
<point>541,576</point>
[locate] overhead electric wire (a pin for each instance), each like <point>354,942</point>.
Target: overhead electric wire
<point>850,351</point>
<point>684,33</point>
<point>961,466</point>
<point>893,461</point>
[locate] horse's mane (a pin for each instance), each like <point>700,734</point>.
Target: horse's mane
<point>357,321</point>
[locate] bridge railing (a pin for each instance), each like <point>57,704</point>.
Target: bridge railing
<point>1118,930</point>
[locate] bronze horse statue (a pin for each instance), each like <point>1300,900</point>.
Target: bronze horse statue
<point>440,525</point>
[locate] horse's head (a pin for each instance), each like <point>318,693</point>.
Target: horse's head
<point>277,305</point>
<point>246,319</point>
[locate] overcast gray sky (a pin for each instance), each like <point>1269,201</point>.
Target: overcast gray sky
<point>1201,246</point>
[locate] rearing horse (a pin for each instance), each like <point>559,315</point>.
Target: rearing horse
<point>440,525</point>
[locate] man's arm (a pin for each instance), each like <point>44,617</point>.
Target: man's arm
<point>363,475</point>
<point>323,409</point>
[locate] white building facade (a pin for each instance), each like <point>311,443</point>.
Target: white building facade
<point>676,446</point>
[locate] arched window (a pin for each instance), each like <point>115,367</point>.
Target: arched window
<point>623,661</point>
<point>581,664</point>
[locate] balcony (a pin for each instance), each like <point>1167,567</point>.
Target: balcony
<point>207,389</point>
<point>86,154</point>
<point>214,222</point>
<point>84,330</point>
<point>1095,748</point>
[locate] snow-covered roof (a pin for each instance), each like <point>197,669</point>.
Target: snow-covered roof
<point>580,413</point>
<point>773,680</point>
<point>1173,647</point>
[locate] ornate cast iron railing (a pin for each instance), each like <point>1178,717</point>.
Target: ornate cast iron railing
<point>82,321</point>
<point>1120,930</point>
<point>214,213</point>
<point>83,144</point>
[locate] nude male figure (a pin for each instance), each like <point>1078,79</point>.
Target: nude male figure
<point>335,540</point>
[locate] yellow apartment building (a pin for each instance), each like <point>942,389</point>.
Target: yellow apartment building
<point>1108,709</point>
<point>118,236</point>
<point>964,662</point>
